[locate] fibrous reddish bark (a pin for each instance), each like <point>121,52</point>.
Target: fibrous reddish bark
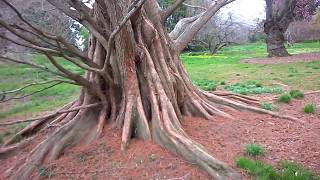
<point>135,75</point>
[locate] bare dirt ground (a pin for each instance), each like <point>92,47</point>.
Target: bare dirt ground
<point>225,139</point>
<point>277,60</point>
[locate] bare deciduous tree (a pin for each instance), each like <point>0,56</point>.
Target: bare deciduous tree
<point>134,79</point>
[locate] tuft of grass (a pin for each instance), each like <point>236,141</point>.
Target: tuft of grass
<point>266,106</point>
<point>254,150</point>
<point>297,94</point>
<point>285,98</point>
<point>82,157</point>
<point>152,157</point>
<point>205,84</point>
<point>252,87</point>
<point>287,170</point>
<point>223,83</point>
<point>309,108</point>
<point>46,172</point>
<point>1,139</point>
<point>290,170</point>
<point>257,168</point>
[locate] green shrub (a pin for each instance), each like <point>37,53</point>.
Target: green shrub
<point>297,94</point>
<point>266,106</point>
<point>309,108</point>
<point>222,83</point>
<point>254,150</point>
<point>285,98</point>
<point>205,84</point>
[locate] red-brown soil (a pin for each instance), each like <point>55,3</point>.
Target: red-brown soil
<point>277,60</point>
<point>283,140</point>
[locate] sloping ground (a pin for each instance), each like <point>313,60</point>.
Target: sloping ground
<point>305,57</point>
<point>226,139</point>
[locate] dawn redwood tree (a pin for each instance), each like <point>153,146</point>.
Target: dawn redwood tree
<point>279,15</point>
<point>134,80</point>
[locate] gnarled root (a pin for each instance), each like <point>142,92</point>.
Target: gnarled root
<point>68,135</point>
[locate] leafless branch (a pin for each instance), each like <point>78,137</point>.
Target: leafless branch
<point>27,95</point>
<point>196,7</point>
<point>44,68</point>
<point>51,115</point>
<point>35,84</point>
<point>194,26</point>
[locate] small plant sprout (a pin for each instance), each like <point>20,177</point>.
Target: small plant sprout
<point>297,94</point>
<point>254,150</point>
<point>309,108</point>
<point>266,106</point>
<point>285,98</point>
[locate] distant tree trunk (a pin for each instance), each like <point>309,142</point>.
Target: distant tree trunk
<point>279,15</point>
<point>275,40</point>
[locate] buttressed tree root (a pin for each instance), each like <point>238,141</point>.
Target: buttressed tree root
<point>134,80</point>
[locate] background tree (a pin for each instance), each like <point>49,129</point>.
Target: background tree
<point>134,80</point>
<point>42,15</point>
<point>220,32</point>
<point>279,15</point>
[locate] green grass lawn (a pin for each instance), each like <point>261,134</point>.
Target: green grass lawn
<point>222,67</point>
<point>225,66</point>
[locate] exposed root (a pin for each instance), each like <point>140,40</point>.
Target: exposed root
<point>11,150</point>
<point>68,135</point>
<point>239,106</point>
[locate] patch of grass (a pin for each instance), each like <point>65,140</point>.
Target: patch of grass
<point>1,139</point>
<point>285,98</point>
<point>205,84</point>
<point>152,157</point>
<point>139,160</point>
<point>266,106</point>
<point>287,170</point>
<point>297,94</point>
<point>222,83</point>
<point>257,169</point>
<point>252,87</point>
<point>254,150</point>
<point>82,157</point>
<point>309,108</point>
<point>46,172</point>
<point>17,138</point>
<point>290,170</point>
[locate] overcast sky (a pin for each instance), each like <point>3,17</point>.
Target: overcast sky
<point>247,10</point>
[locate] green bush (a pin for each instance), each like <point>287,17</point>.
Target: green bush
<point>297,94</point>
<point>285,98</point>
<point>254,150</point>
<point>309,108</point>
<point>266,106</point>
<point>205,84</point>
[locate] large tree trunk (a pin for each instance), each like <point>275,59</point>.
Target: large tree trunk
<point>279,15</point>
<point>137,82</point>
<point>275,40</point>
